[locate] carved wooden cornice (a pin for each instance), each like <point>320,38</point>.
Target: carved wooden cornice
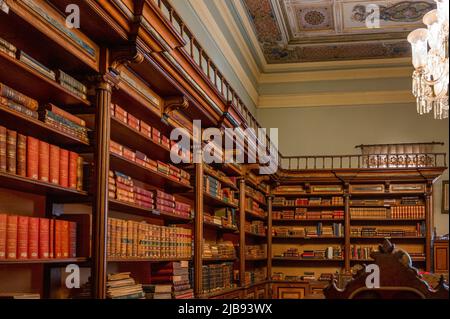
<point>122,56</point>
<point>175,103</point>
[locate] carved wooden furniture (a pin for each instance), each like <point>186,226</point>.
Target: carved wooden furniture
<point>440,250</point>
<point>397,280</point>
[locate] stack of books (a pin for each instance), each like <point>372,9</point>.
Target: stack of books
<point>309,275</point>
<point>71,84</point>
<point>361,252</point>
<point>8,48</point>
<point>225,250</point>
<point>64,121</point>
<point>253,206</point>
<point>255,251</point>
<point>255,276</point>
<point>19,295</point>
<point>369,213</point>
<point>160,291</point>
<point>14,100</point>
<point>36,65</point>
<point>256,227</point>
<point>29,157</point>
<point>122,286</point>
<point>228,216</point>
<point>132,239</point>
<point>408,212</point>
<point>217,277</point>
<point>23,237</point>
<point>174,275</point>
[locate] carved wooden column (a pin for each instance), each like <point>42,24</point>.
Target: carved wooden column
<point>241,232</point>
<point>269,236</point>
<point>347,229</point>
<point>198,229</point>
<point>428,221</point>
<point>103,91</point>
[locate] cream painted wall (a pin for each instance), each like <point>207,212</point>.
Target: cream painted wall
<point>336,130</point>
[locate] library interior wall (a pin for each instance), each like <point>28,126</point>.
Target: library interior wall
<point>337,130</point>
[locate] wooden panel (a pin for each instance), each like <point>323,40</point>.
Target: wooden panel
<point>367,189</point>
<point>326,189</point>
<point>289,291</point>
<point>261,293</point>
<point>407,188</point>
<point>441,257</point>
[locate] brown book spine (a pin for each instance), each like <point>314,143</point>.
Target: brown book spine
<point>65,240</point>
<point>80,176</point>
<point>11,151</point>
<point>58,238</point>
<point>18,97</point>
<point>33,237</point>
<point>2,149</point>
<point>3,225</point>
<point>51,237</point>
<point>66,115</point>
<point>32,157</point>
<point>64,168</point>
<point>11,237</point>
<point>54,164</point>
<point>22,237</point>
<point>44,238</point>
<point>21,155</point>
<point>44,161</point>
<point>73,168</point>
<point>72,239</point>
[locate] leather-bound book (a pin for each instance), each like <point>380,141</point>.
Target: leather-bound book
<point>44,238</point>
<point>58,239</point>
<point>44,161</point>
<point>21,155</point>
<point>65,242</point>
<point>73,168</point>
<point>64,168</point>
<point>54,164</point>
<point>72,239</point>
<point>11,150</point>
<point>32,157</point>
<point>2,149</point>
<point>80,168</point>
<point>11,237</point>
<point>3,223</point>
<point>22,237</point>
<point>69,116</point>
<point>18,97</point>
<point>51,242</point>
<point>33,238</point>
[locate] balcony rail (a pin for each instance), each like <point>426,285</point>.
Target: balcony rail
<point>404,160</point>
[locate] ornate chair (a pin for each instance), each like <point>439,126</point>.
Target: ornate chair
<point>398,280</point>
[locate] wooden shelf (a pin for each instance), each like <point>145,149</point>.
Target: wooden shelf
<point>386,220</point>
<point>249,213</point>
<point>28,185</point>
<point>33,127</point>
<point>26,80</point>
<point>210,200</point>
<point>129,208</point>
<point>256,199</point>
<point>148,260</point>
<point>218,259</point>
<point>308,238</point>
<point>418,259</point>
<point>255,235</point>
<point>126,135</point>
<point>44,261</point>
<point>255,258</point>
<point>306,259</point>
<point>224,182</point>
<point>144,174</point>
<point>307,194</point>
<point>307,220</point>
<point>221,228</point>
<point>218,293</point>
<point>308,206</point>
<point>381,237</point>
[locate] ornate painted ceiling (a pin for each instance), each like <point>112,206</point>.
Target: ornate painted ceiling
<point>291,31</point>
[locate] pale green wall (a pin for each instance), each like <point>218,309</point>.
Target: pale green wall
<point>336,130</point>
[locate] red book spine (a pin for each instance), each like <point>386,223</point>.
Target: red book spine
<point>72,239</point>
<point>44,238</point>
<point>54,164</point>
<point>3,223</point>
<point>33,238</point>
<point>73,168</point>
<point>21,155</point>
<point>65,242</point>
<point>57,241</point>
<point>2,149</point>
<point>32,157</point>
<point>44,161</point>
<point>22,237</point>
<point>64,168</point>
<point>11,149</point>
<point>11,237</point>
<point>51,242</point>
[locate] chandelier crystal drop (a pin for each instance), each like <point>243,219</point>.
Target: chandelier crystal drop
<point>430,61</point>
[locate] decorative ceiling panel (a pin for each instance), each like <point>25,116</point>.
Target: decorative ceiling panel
<point>291,31</point>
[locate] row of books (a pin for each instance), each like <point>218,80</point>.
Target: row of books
<point>255,276</point>
<point>361,252</point>
<point>256,227</point>
<point>303,213</point>
<point>220,221</point>
<point>217,277</point>
<point>255,251</point>
<point>253,206</point>
<point>61,77</point>
<point>418,231</point>
<point>172,172</point>
<point>329,253</point>
<point>225,250</point>
<point>312,201</point>
<point>132,239</point>
<point>256,194</point>
<point>219,175</point>
<point>145,129</point>
<point>397,212</point>
<point>407,200</point>
<point>23,237</point>
<point>307,275</point>
<point>320,230</point>
<point>123,286</point>
<point>227,216</point>
<point>170,281</point>
<point>289,189</point>
<point>29,157</point>
<point>214,188</point>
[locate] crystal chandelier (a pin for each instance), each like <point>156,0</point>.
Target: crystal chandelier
<point>430,60</point>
